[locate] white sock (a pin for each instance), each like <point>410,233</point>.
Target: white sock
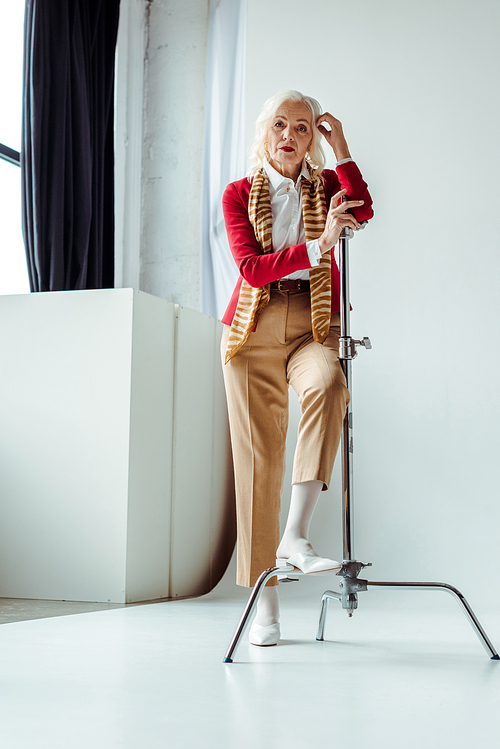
<point>268,607</point>
<point>295,539</point>
<point>302,505</point>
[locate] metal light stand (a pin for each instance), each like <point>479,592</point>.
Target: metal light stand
<point>351,584</point>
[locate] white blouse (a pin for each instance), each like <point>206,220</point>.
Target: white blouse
<point>288,223</point>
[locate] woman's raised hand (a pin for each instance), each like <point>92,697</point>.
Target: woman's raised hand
<point>334,135</point>
<point>336,220</point>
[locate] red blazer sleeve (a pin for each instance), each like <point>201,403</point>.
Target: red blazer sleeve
<point>348,177</point>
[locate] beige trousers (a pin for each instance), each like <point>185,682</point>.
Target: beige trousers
<point>281,351</point>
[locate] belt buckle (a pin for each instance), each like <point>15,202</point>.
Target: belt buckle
<point>298,282</point>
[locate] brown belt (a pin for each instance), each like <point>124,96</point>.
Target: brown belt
<point>287,284</point>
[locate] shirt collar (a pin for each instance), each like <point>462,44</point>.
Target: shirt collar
<point>276,179</point>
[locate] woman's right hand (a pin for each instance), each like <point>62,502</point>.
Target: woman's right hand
<point>337,220</point>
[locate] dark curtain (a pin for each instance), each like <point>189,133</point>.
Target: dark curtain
<point>67,143</point>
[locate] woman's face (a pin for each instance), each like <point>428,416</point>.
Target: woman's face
<point>288,138</point>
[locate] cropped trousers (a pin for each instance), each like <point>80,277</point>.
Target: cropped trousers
<point>281,351</point>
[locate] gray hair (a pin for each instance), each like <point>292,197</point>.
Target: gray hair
<point>315,155</point>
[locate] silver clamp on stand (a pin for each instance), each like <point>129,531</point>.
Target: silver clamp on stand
<point>348,346</point>
<point>350,584</point>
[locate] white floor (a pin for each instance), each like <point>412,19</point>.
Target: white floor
<point>406,671</point>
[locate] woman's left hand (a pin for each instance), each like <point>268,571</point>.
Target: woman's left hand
<point>334,136</point>
<point>337,219</point>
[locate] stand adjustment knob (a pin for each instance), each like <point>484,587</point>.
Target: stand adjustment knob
<point>364,342</point>
<point>347,346</point>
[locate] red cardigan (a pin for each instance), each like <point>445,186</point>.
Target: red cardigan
<point>258,269</point>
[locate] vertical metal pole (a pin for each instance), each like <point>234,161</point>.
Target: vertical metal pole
<point>351,583</point>
<point>347,442</point>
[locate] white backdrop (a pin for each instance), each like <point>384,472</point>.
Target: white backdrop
<point>415,85</point>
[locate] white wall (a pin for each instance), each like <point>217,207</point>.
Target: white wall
<point>415,84</point>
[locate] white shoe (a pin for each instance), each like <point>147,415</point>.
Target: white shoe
<point>264,636</point>
<point>310,563</point>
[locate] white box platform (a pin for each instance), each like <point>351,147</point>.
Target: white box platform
<point>115,468</point>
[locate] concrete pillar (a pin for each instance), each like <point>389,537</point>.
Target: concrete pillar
<point>174,91</point>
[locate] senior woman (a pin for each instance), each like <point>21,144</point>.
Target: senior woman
<point>282,327</point>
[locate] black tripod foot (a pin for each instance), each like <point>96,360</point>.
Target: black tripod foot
<point>495,657</point>
<point>230,660</point>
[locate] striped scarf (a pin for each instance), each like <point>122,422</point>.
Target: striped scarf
<point>252,300</point>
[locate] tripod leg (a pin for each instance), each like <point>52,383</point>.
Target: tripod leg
<point>252,602</point>
<point>483,637</point>
<point>327,595</point>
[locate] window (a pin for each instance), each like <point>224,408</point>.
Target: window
<point>13,271</point>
